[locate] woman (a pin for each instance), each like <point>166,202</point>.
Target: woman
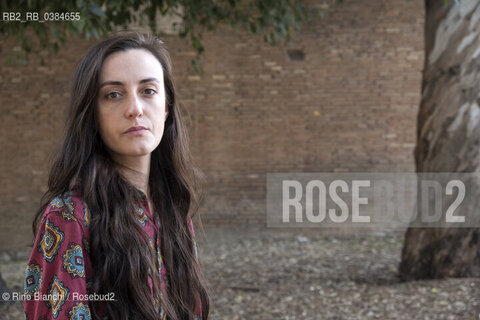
<point>115,220</point>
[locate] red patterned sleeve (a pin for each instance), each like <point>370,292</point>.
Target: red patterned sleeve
<point>55,280</point>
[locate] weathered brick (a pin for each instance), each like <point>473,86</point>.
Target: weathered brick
<point>350,105</point>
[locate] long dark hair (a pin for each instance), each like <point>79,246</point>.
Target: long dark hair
<point>121,261</point>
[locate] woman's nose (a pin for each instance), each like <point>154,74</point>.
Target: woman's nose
<point>134,108</point>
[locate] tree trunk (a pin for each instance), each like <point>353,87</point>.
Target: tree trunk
<point>448,135</point>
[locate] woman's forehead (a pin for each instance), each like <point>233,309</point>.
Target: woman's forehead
<point>132,65</point>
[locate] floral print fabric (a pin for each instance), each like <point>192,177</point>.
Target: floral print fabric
<point>58,274</point>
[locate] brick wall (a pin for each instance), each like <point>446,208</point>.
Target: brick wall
<point>349,105</point>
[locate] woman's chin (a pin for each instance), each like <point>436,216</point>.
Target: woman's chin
<point>140,153</point>
<point>135,152</point>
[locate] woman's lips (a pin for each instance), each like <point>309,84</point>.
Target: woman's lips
<point>135,130</point>
<point>139,131</point>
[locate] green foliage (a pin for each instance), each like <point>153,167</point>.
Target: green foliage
<point>274,19</point>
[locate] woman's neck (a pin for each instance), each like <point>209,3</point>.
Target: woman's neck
<point>136,170</point>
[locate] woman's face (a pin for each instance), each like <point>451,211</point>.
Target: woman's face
<point>131,103</point>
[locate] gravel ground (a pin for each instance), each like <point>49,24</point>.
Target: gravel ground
<point>267,274</point>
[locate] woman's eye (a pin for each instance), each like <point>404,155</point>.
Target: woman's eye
<point>150,91</point>
<point>112,95</point>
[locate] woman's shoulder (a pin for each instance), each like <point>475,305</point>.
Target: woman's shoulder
<point>70,206</point>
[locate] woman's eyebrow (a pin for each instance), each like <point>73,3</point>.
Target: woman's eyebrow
<point>119,83</point>
<point>150,80</point>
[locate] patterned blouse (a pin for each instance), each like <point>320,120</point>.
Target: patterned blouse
<point>58,275</point>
